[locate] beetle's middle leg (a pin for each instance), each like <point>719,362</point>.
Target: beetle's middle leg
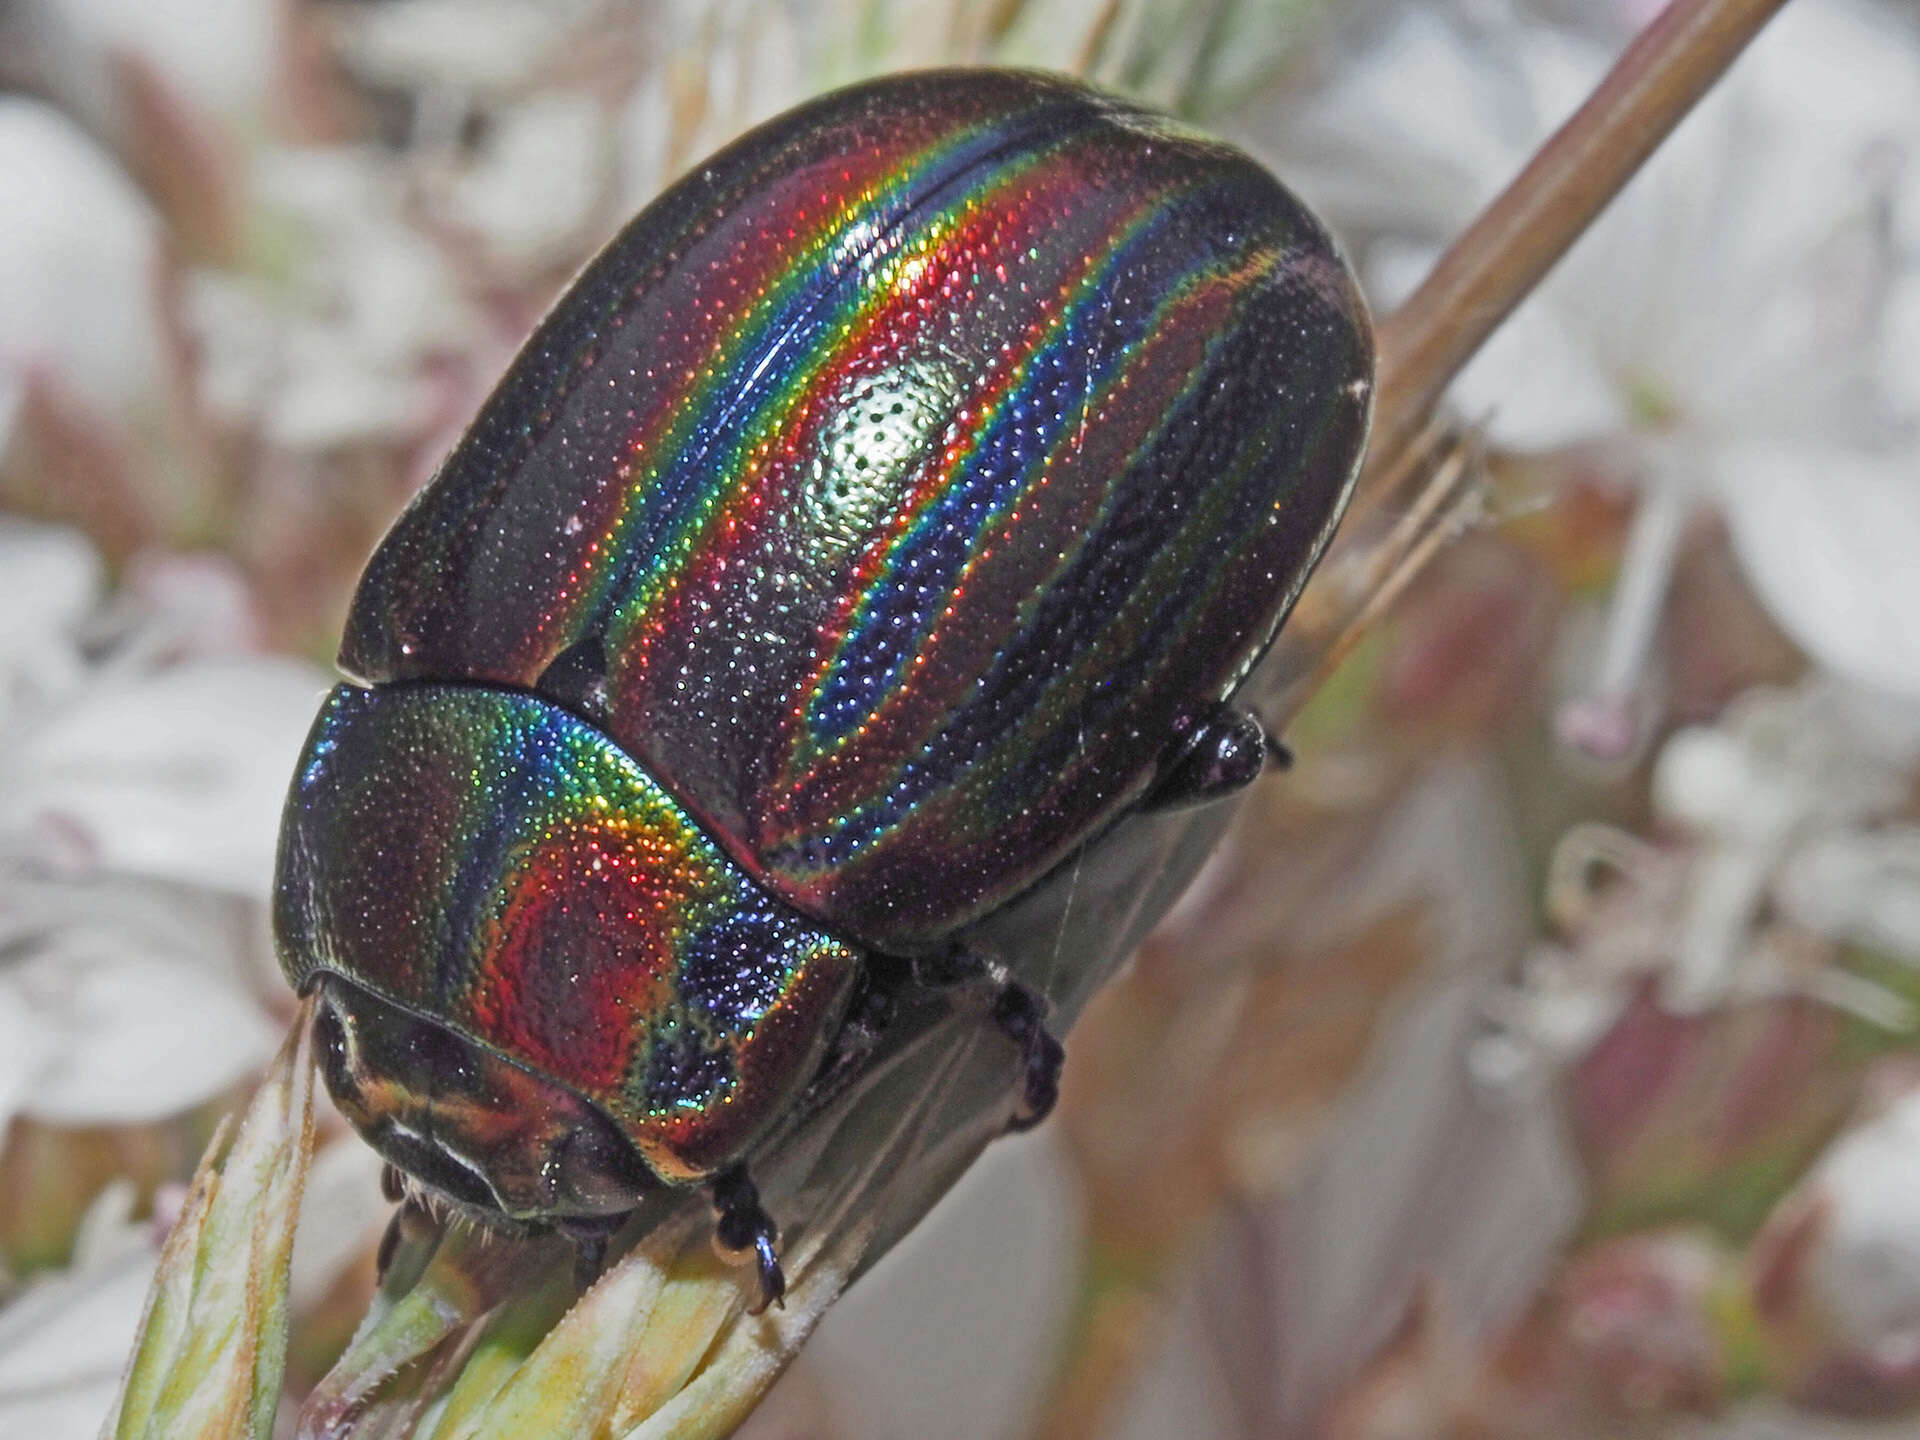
<point>1020,1014</point>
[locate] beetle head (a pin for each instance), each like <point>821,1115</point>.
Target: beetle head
<point>486,1133</point>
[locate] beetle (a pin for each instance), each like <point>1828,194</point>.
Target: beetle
<point>881,526</point>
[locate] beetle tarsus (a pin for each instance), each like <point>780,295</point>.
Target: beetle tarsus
<point>1022,1016</point>
<point>1226,753</point>
<point>1278,755</point>
<point>743,1228</point>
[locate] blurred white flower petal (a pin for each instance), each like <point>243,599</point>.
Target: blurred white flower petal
<point>331,398</point>
<point>50,578</point>
<point>223,51</point>
<point>1426,122</point>
<point>1698,296</point>
<point>1830,539</point>
<point>465,44</point>
<point>1708,330</point>
<point>538,177</point>
<point>995,1260</point>
<point>179,774</point>
<point>1535,384</point>
<point>1899,369</point>
<point>1865,1266</point>
<point>63,1346</point>
<point>1859,887</point>
<point>124,1036</point>
<point>77,251</point>
<point>139,798</point>
<point>334,356</point>
<point>188,604</point>
<point>342,1214</point>
<point>26,1049</point>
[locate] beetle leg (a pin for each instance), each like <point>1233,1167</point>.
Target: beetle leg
<point>743,1228</point>
<point>590,1236</point>
<point>1022,1015</point>
<point>389,1245</point>
<point>858,1037</point>
<point>1227,752</point>
<point>409,1220</point>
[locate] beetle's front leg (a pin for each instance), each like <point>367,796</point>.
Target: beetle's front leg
<point>743,1229</point>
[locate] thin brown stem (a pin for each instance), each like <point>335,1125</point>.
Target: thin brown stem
<point>1516,240</point>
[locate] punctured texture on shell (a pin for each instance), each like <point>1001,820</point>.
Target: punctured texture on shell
<point>490,862</point>
<point>903,484</point>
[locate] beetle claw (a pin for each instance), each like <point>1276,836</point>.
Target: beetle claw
<point>1022,1016</point>
<point>773,1280</point>
<point>743,1228</point>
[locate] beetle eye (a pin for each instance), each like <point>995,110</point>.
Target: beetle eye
<point>330,1040</point>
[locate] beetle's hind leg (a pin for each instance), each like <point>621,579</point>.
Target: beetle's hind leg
<point>1226,753</point>
<point>1022,1017</point>
<point>743,1228</point>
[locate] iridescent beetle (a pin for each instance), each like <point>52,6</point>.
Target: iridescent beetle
<point>885,519</point>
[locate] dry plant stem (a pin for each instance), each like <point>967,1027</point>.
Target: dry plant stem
<point>1442,506</point>
<point>1517,239</point>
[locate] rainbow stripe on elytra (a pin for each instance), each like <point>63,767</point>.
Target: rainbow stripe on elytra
<point>487,860</point>
<point>914,473</point>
